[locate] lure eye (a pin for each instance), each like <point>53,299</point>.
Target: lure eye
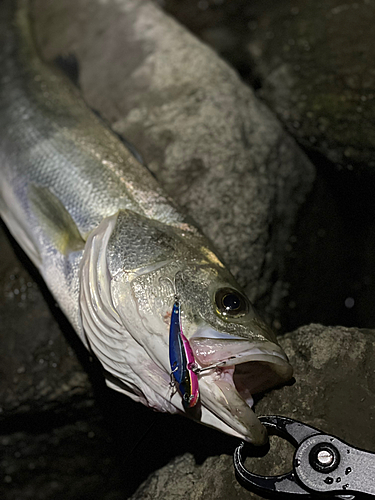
<point>231,303</point>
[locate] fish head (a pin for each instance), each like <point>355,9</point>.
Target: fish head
<point>236,354</point>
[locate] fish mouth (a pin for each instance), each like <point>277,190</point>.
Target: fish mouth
<point>231,371</point>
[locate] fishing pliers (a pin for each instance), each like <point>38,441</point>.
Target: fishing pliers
<point>323,466</point>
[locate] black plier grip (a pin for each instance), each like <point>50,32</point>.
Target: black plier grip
<point>323,466</point>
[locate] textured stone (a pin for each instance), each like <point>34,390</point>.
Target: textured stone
<point>214,147</point>
<point>314,59</point>
<point>332,247</point>
<point>188,481</point>
<point>66,462</point>
<point>310,60</point>
<point>334,391</point>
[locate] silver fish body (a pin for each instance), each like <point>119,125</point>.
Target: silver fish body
<point>114,250</point>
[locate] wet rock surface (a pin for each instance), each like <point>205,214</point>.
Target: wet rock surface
<point>334,391</point>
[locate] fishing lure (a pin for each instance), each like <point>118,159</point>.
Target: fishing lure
<point>182,360</point>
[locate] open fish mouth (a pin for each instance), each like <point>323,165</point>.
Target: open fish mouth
<point>231,372</point>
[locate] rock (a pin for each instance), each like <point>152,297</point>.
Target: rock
<point>334,391</point>
<point>335,382</point>
<point>66,462</point>
<point>224,26</point>
<point>310,60</point>
<point>314,59</point>
<point>214,147</point>
<point>183,479</point>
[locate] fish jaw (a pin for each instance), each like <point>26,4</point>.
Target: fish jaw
<point>231,372</point>
<point>219,396</point>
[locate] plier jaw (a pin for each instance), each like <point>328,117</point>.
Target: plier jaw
<point>323,465</point>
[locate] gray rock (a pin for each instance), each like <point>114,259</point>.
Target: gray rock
<point>67,462</point>
<point>315,62</point>
<point>214,147</point>
<point>334,391</point>
<point>183,479</point>
<point>335,382</point>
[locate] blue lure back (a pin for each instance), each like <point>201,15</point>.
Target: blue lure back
<point>182,360</point>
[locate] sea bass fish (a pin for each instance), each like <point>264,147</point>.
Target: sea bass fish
<point>116,252</point>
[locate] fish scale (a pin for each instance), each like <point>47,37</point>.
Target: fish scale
<point>43,118</point>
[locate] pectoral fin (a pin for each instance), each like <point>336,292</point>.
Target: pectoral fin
<point>55,220</point>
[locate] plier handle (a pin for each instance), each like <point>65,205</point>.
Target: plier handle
<point>323,466</point>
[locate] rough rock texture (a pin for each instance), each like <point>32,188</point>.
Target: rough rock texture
<point>314,59</point>
<point>183,479</point>
<point>311,61</point>
<point>213,146</point>
<point>334,391</point>
<point>225,25</point>
<point>60,464</point>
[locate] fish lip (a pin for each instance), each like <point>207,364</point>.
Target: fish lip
<point>265,353</point>
<point>220,381</point>
<point>207,332</point>
<point>260,353</point>
<point>253,351</point>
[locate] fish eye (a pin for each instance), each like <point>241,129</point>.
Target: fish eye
<point>231,303</point>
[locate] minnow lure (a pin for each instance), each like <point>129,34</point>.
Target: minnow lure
<point>182,360</point>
